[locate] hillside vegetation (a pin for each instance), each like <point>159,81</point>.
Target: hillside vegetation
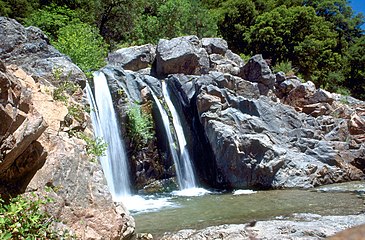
<point>319,40</point>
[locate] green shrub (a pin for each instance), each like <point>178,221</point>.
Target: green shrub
<point>59,94</point>
<point>95,147</point>
<point>285,67</point>
<point>23,218</point>
<point>83,44</point>
<point>139,126</point>
<point>51,18</point>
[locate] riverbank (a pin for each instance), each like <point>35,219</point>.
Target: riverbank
<point>300,226</point>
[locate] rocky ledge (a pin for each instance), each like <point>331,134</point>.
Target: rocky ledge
<point>299,227</point>
<point>38,152</point>
<point>246,126</point>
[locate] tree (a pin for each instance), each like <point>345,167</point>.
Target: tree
<point>298,35</point>
<point>52,18</point>
<point>173,18</point>
<point>235,18</point>
<point>356,74</point>
<point>83,44</point>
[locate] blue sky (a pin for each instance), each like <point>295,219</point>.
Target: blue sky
<point>358,6</point>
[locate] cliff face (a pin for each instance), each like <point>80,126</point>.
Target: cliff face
<point>246,126</point>
<point>21,126</point>
<point>39,152</point>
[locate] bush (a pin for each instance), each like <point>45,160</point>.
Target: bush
<point>23,218</point>
<point>51,18</point>
<point>59,94</point>
<point>94,147</point>
<point>83,44</point>
<point>139,126</point>
<point>285,67</point>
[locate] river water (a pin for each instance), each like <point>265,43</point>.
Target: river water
<point>226,208</point>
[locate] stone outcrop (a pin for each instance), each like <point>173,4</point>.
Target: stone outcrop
<point>39,149</point>
<point>180,55</point>
<point>30,49</point>
<point>21,154</point>
<point>300,226</point>
<point>255,128</point>
<point>133,58</point>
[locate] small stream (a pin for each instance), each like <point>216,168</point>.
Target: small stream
<point>226,208</point>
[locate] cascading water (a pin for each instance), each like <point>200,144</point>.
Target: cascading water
<point>187,174</point>
<point>173,150</point>
<point>114,162</point>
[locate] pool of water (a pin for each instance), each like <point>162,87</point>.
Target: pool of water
<point>217,208</point>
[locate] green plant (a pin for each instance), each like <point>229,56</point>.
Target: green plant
<point>245,57</point>
<point>51,18</point>
<point>83,44</point>
<point>285,67</point>
<point>139,125</point>
<point>59,94</point>
<point>22,218</point>
<point>75,111</point>
<point>95,147</point>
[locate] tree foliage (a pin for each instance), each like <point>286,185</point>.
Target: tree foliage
<point>321,38</point>
<point>83,44</point>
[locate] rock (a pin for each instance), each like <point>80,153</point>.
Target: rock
<point>257,70</point>
<point>235,58</point>
<point>254,147</point>
<point>21,154</point>
<point>29,48</point>
<point>355,233</point>
<point>301,226</point>
<point>133,58</point>
<point>215,45</point>
<point>180,55</point>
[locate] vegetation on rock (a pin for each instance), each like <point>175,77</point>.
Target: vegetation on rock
<point>322,39</point>
<point>23,218</point>
<point>139,126</point>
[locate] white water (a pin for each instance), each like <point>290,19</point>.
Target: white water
<point>173,150</point>
<point>114,162</point>
<point>187,175</point>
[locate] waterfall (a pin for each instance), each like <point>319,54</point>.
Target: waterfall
<point>173,150</point>
<point>186,168</point>
<point>114,162</point>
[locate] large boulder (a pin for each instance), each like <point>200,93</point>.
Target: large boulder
<point>215,45</point>
<point>257,70</point>
<point>256,142</point>
<point>133,58</point>
<point>30,49</point>
<point>180,55</point>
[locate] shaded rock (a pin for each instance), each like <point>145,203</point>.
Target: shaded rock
<point>133,58</point>
<point>257,70</point>
<point>29,48</point>
<point>180,55</point>
<point>215,45</point>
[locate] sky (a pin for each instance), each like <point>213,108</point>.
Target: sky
<point>359,7</point>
